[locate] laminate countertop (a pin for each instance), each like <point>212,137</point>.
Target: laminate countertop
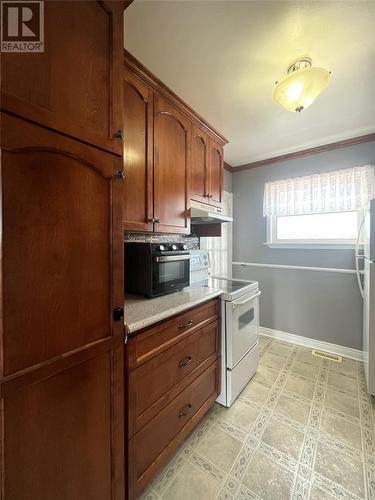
<point>140,312</point>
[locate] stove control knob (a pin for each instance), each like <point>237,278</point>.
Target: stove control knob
<point>161,248</point>
<point>174,247</point>
<point>184,247</point>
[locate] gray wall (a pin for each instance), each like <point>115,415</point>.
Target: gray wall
<point>227,181</point>
<point>319,305</point>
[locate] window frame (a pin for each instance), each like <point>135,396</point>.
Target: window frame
<point>204,241</point>
<point>334,244</point>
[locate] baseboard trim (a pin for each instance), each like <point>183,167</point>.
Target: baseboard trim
<point>340,350</point>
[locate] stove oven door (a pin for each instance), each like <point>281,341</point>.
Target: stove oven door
<point>242,326</point>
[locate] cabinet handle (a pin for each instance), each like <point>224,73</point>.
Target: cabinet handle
<point>120,174</point>
<point>181,326</point>
<point>185,361</point>
<point>210,195</point>
<point>150,220</point>
<point>120,134</point>
<point>156,221</point>
<point>186,410</point>
<point>118,314</point>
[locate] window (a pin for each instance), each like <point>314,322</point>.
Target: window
<point>220,249</point>
<point>339,228</point>
<point>319,209</point>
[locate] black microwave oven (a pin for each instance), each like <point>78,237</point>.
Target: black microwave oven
<point>153,269</point>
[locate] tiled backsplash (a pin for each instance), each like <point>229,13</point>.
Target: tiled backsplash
<point>192,242</point>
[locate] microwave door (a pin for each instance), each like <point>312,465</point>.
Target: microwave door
<point>170,273</point>
<point>242,328</point>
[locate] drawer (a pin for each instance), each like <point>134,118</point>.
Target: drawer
<point>155,383</point>
<point>149,343</point>
<point>151,447</point>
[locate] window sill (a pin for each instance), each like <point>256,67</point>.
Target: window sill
<point>313,246</point>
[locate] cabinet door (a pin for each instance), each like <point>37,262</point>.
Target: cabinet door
<point>172,148</point>
<point>199,166</point>
<point>61,376</point>
<point>138,128</point>
<point>216,182</point>
<point>75,85</point>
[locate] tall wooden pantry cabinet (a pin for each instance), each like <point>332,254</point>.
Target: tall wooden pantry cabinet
<point>62,353</point>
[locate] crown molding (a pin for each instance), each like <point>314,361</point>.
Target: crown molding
<point>127,3</point>
<point>307,152</point>
<point>137,68</point>
<point>228,167</point>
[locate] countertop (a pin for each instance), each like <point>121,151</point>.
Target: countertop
<point>140,312</point>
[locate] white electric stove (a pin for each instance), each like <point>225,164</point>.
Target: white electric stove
<point>240,325</point>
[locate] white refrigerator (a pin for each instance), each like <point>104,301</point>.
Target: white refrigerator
<point>365,266</point>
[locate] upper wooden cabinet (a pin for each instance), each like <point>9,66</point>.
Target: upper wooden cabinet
<point>172,135</point>
<point>138,154</point>
<point>199,168</point>
<point>171,155</point>
<point>216,174</point>
<point>207,169</point>
<point>75,85</point>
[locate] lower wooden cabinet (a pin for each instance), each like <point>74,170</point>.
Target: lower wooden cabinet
<point>170,391</point>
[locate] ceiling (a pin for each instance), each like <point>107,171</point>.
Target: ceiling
<point>223,57</point>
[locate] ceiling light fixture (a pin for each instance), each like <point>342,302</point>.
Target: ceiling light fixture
<point>301,86</point>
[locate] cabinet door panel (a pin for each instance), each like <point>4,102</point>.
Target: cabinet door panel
<point>138,189</point>
<point>58,435</point>
<point>61,376</point>
<point>74,86</point>
<point>62,282</point>
<point>199,168</point>
<point>216,174</point>
<point>172,175</point>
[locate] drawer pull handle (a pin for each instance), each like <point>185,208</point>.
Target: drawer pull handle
<point>185,361</point>
<point>181,326</point>
<point>185,411</point>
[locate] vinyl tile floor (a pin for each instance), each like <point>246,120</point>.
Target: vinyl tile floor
<point>303,428</point>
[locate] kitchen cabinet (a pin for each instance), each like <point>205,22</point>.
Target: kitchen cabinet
<point>173,378</point>
<point>172,155</point>
<point>75,85</point>
<point>200,165</point>
<point>157,161</point>
<point>207,169</point>
<point>62,418</point>
<point>216,174</point>
<point>172,136</point>
<point>138,155</point>
<point>61,379</point>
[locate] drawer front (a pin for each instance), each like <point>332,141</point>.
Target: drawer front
<point>147,344</point>
<point>151,447</point>
<point>155,383</point>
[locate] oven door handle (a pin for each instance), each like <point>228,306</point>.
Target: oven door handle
<point>236,304</point>
<point>172,258</point>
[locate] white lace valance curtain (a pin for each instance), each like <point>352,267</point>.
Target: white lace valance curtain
<point>338,191</point>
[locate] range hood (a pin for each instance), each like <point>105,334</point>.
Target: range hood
<point>201,213</point>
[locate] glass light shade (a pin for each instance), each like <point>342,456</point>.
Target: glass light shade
<point>299,89</point>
